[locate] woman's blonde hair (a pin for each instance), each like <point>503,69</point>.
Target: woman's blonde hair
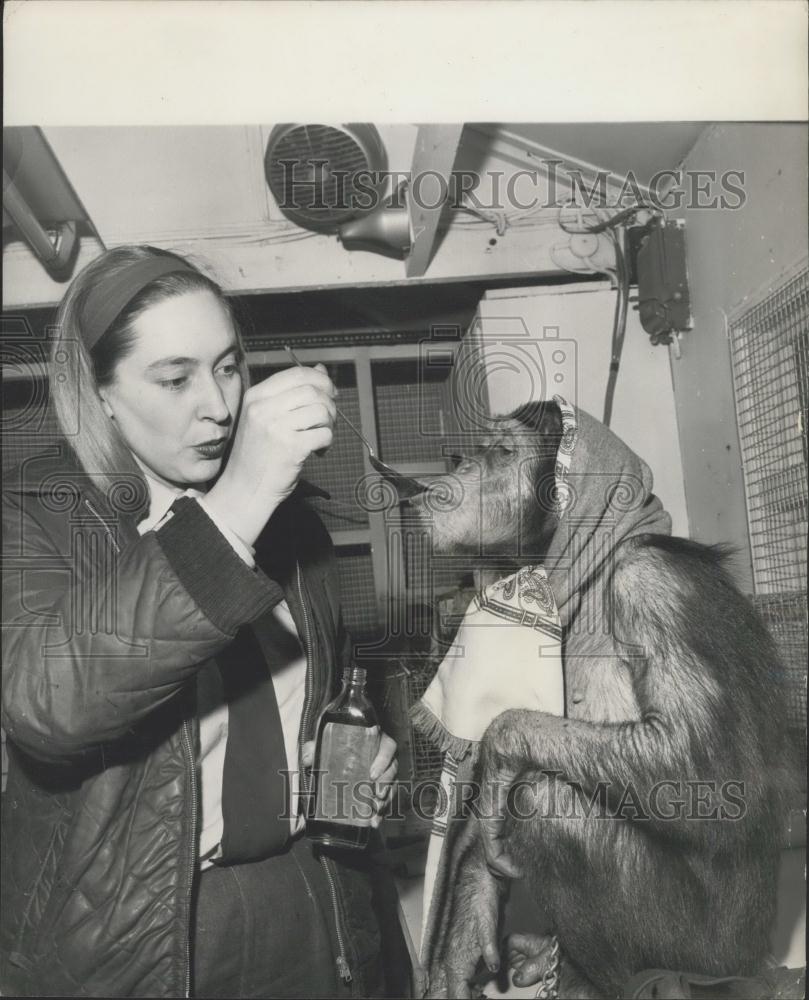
<point>77,374</point>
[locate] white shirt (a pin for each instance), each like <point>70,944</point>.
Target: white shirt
<point>289,681</point>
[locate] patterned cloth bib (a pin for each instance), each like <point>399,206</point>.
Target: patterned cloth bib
<point>506,654</point>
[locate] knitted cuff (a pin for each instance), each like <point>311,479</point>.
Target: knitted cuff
<point>228,592</point>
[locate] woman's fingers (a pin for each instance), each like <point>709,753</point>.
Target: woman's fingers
<point>381,803</point>
<point>383,784</point>
<point>383,772</point>
<point>313,415</point>
<point>315,439</point>
<point>294,378</point>
<point>302,396</point>
<point>308,753</point>
<point>383,780</point>
<point>282,421</point>
<point>385,756</point>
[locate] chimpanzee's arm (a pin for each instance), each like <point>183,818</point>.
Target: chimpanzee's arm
<point>697,686</point>
<point>472,927</point>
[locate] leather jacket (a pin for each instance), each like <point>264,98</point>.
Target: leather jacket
<point>104,633</point>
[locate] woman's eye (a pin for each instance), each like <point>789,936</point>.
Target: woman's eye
<point>229,370</point>
<point>174,383</point>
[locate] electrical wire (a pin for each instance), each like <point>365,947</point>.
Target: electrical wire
<point>618,323</point>
<point>614,226</point>
<point>492,217</point>
<point>502,220</point>
<point>606,222</point>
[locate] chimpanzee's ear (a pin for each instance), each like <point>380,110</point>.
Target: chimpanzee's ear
<point>545,418</point>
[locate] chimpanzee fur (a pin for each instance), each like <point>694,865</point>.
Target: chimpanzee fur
<point>631,886</point>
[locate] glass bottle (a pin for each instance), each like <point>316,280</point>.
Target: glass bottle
<point>347,741</point>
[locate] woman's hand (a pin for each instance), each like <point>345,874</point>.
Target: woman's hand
<point>282,420</point>
<point>383,772</point>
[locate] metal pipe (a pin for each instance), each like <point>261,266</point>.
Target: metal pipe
<point>54,254</point>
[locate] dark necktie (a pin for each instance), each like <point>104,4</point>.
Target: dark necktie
<point>254,794</point>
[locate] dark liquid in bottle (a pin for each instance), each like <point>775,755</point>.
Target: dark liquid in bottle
<point>347,742</point>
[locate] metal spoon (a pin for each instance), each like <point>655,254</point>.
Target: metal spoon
<point>405,486</point>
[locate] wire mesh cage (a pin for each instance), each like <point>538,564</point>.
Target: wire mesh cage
<point>770,357</point>
<point>785,617</point>
<point>769,345</point>
<point>413,410</point>
<point>357,590</point>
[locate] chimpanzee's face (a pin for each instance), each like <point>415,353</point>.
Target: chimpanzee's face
<point>493,500</point>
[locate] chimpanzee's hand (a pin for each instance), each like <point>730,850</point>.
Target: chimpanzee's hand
<point>498,767</point>
<point>472,934</point>
<point>530,957</point>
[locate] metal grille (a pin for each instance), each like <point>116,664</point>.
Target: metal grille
<point>428,576</point>
<point>322,195</point>
<point>770,358</point>
<point>785,617</point>
<point>410,412</point>
<point>357,591</point>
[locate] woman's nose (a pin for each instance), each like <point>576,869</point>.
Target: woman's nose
<point>212,404</point>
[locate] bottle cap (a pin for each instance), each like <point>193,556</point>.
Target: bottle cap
<point>354,674</point>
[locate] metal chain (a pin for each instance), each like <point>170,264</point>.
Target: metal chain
<point>549,987</point>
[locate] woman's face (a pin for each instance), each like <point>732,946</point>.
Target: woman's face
<point>175,397</point>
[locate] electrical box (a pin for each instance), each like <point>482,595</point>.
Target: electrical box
<point>664,303</point>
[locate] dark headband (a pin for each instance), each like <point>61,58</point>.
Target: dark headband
<point>110,296</point>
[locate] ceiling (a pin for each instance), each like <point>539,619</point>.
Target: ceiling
<point>202,191</point>
<point>642,147</point>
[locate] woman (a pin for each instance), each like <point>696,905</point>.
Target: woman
<point>172,632</point>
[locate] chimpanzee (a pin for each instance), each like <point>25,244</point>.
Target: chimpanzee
<point>646,821</point>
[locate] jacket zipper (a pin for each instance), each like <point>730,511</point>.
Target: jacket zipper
<point>343,967</point>
<point>307,709</point>
<point>189,755</point>
<point>342,962</point>
<point>192,857</point>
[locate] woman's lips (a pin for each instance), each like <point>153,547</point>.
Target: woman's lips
<point>211,450</point>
